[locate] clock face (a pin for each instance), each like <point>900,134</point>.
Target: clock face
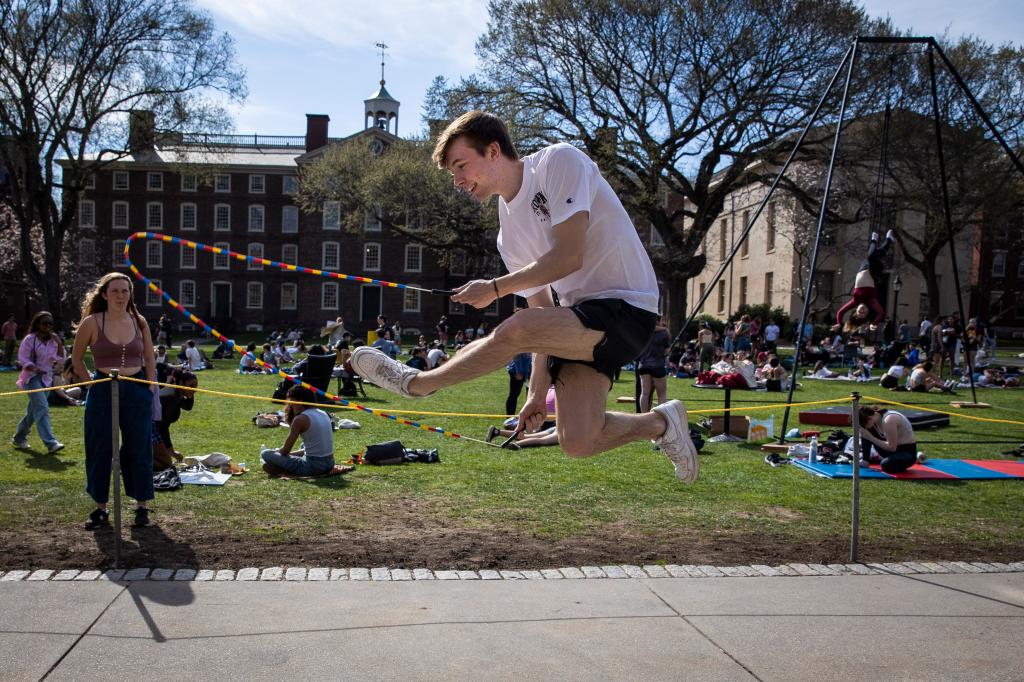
<point>377,147</point>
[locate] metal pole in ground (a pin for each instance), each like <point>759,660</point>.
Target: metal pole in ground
<point>115,454</point>
<point>855,520</point>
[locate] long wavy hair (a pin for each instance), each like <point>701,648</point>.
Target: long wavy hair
<point>93,301</point>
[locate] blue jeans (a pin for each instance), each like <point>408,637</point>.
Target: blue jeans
<point>135,411</point>
<point>38,413</point>
<point>300,466</point>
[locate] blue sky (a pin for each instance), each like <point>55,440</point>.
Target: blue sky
<point>318,56</point>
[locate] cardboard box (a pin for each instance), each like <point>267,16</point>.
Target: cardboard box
<point>738,425</point>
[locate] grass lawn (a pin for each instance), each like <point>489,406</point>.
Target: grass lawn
<point>482,507</point>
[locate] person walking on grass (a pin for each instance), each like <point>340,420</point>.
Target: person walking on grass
<point>41,355</point>
<point>562,229</point>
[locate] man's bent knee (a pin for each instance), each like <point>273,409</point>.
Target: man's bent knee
<point>579,442</point>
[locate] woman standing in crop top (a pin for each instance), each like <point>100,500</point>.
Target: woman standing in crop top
<point>120,340</point>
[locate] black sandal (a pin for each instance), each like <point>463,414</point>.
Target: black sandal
<point>98,517</point>
<point>141,517</point>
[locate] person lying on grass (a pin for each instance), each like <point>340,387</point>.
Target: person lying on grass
<point>314,426</point>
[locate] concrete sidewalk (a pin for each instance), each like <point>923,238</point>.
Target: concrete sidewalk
<point>848,627</point>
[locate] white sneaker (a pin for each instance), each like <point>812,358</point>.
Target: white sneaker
<point>375,366</point>
<point>676,442</point>
<point>20,444</point>
<point>56,447</point>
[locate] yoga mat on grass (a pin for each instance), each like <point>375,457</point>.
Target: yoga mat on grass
<point>933,469</point>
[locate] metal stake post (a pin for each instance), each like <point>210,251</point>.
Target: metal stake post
<point>855,520</point>
<point>115,454</point>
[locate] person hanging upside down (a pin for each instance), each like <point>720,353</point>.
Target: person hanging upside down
<point>865,298</point>
<point>563,229</point>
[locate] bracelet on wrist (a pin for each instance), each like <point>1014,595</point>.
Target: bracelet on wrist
<point>494,282</point>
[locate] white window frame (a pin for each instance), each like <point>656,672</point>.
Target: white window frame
<point>655,239</point>
<point>222,183</point>
<point>411,300</point>
<point>157,186</point>
<point>252,288</point>
<point>999,263</point>
<point>367,248</point>
<point>187,259</point>
<point>195,217</point>
<point>157,226</point>
<point>216,218</point>
<point>118,175</point>
<point>154,254</point>
<point>227,258</point>
<point>87,214</point>
<point>188,302</point>
<point>332,264</point>
<point>257,224</point>
<point>332,215</point>
<point>289,225</point>
<point>189,182</point>
<point>328,290</point>
<point>492,309</point>
<point>255,250</point>
<point>90,181</point>
<point>411,249</point>
<point>290,184</point>
<point>294,289</point>
<point>87,247</point>
<point>113,215</point>
<point>257,183</point>
<point>290,254</point>
<point>154,299</point>
<point>117,253</point>
<point>372,221</point>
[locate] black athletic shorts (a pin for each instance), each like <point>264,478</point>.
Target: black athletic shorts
<point>655,372</point>
<point>627,331</point>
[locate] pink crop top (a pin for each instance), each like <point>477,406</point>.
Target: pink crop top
<point>106,353</point>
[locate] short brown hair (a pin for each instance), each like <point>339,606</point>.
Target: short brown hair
<point>479,129</point>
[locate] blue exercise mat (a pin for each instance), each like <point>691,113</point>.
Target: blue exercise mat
<point>933,469</point>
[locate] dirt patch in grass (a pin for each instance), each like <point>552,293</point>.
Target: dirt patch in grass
<point>438,544</point>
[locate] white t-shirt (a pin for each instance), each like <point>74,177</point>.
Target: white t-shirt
<point>434,356</point>
<point>195,360</point>
<point>558,182</point>
<point>916,378</point>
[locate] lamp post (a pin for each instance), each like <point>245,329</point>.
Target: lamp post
<point>897,284</point>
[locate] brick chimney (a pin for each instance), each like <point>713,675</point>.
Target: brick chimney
<point>141,130</point>
<point>316,131</point>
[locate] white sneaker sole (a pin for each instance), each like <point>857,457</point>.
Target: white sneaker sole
<point>687,463</point>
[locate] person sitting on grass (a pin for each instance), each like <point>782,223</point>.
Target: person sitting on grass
<point>774,374</point>
<point>923,380</point>
<point>896,372</point>
<point>820,371</point>
<point>316,456</point>
<point>418,359</point>
<point>892,435</point>
<point>247,365</point>
<point>861,371</point>
<point>542,438</point>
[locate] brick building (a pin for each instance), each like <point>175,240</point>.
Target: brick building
<point>237,192</point>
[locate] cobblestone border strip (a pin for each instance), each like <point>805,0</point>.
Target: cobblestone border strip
<point>383,574</point>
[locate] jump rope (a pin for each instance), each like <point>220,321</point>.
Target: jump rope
<point>275,370</point>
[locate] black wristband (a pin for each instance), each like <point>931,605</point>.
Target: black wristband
<point>497,293</point>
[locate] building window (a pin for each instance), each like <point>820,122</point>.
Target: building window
<point>222,261</point>
<point>256,213</point>
<point>255,252</point>
<point>254,295</point>
<point>153,298</point>
<point>121,180</point>
<point>188,257</point>
<point>119,215</point>
<point>332,215</point>
<point>154,254</point>
<point>656,239</point>
<point>289,296</point>
<point>492,309</point>
<point>743,290</point>
<point>371,220</point>
<point>330,256</point>
<point>90,181</point>
<point>703,288</point>
<point>411,301</point>
<point>995,304</point>
<point>155,181</point>
<point>117,253</point>
<point>721,296</point>
<point>329,295</point>
<point>289,184</point>
<point>457,263</point>
<point>222,218</point>
<point>1020,267</point>
<point>371,257</point>
<point>87,252</point>
<point>87,213</point>
<point>770,239</point>
<point>413,258</point>
<point>724,225</point>
<point>289,219</point>
<point>290,254</point>
<point>257,184</point>
<point>187,293</point>
<point>455,308</point>
<point>189,182</point>
<point>221,182</point>
<point>769,285</point>
<point>999,264</point>
<point>154,216</point>
<point>745,249</point>
<point>188,217</point>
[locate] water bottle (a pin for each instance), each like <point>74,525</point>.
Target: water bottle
<point>812,455</point>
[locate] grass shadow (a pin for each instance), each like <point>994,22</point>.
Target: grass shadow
<point>47,462</point>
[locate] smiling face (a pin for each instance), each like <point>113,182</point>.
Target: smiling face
<point>473,172</point>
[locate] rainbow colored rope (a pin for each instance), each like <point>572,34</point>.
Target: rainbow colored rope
<point>284,266</point>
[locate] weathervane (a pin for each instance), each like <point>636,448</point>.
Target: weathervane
<point>382,47</point>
